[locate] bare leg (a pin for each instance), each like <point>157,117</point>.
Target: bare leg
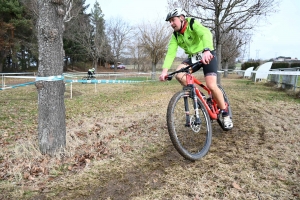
<point>181,77</point>
<point>211,83</point>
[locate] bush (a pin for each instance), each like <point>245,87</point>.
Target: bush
<point>246,65</point>
<point>277,65</point>
<point>296,64</point>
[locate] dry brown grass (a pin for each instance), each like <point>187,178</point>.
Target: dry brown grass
<point>118,147</point>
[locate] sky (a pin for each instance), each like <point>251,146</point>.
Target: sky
<point>279,35</point>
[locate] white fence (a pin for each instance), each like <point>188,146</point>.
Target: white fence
<point>13,80</point>
<point>286,78</point>
<point>12,84</point>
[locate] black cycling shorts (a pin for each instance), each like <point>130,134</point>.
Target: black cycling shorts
<point>208,70</point>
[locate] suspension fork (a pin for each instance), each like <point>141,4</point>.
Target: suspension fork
<point>187,111</point>
<point>192,94</point>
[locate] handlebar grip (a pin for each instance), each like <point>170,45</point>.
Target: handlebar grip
<point>168,77</point>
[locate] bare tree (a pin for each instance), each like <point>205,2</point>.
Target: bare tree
<point>87,31</point>
<point>74,9</point>
<point>223,16</point>
<point>118,33</point>
<point>80,31</point>
<point>232,48</point>
<point>49,83</point>
<point>154,39</point>
<point>133,50</point>
<point>99,40</point>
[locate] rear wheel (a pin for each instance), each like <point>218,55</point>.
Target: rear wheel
<point>84,80</point>
<point>191,139</point>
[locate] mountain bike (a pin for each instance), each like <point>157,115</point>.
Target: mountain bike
<point>86,78</point>
<point>189,116</point>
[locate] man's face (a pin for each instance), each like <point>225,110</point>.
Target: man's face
<point>175,23</point>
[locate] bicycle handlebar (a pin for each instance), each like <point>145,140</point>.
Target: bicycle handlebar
<point>185,69</point>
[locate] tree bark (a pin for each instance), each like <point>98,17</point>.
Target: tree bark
<point>51,88</point>
<point>153,74</point>
<point>1,63</point>
<point>225,69</point>
<point>219,57</point>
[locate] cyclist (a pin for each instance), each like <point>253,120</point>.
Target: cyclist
<point>194,38</point>
<point>91,72</point>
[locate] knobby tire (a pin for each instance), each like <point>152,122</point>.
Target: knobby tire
<point>191,143</point>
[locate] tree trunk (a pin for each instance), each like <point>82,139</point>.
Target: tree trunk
<point>66,64</point>
<point>96,64</point>
<point>1,63</point>
<point>219,57</point>
<point>50,86</point>
<point>153,74</point>
<point>225,70</point>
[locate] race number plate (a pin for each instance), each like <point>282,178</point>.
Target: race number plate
<point>196,57</point>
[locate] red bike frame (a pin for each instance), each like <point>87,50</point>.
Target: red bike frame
<point>213,111</point>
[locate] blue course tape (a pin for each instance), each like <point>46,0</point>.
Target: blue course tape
<point>74,81</point>
<point>50,78</point>
<point>101,81</point>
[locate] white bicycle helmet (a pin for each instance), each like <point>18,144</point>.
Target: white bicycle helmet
<point>175,13</point>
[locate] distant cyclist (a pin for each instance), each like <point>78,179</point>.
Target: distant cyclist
<point>194,39</point>
<point>91,72</point>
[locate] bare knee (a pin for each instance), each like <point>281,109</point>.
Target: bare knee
<point>181,77</point>
<point>212,87</point>
<point>211,83</point>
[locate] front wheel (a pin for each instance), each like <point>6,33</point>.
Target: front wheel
<point>191,138</point>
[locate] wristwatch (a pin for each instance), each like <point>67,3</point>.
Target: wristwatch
<point>205,49</point>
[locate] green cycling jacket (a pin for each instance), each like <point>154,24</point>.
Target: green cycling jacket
<point>192,41</point>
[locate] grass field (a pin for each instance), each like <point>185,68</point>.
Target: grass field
<point>118,146</point>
